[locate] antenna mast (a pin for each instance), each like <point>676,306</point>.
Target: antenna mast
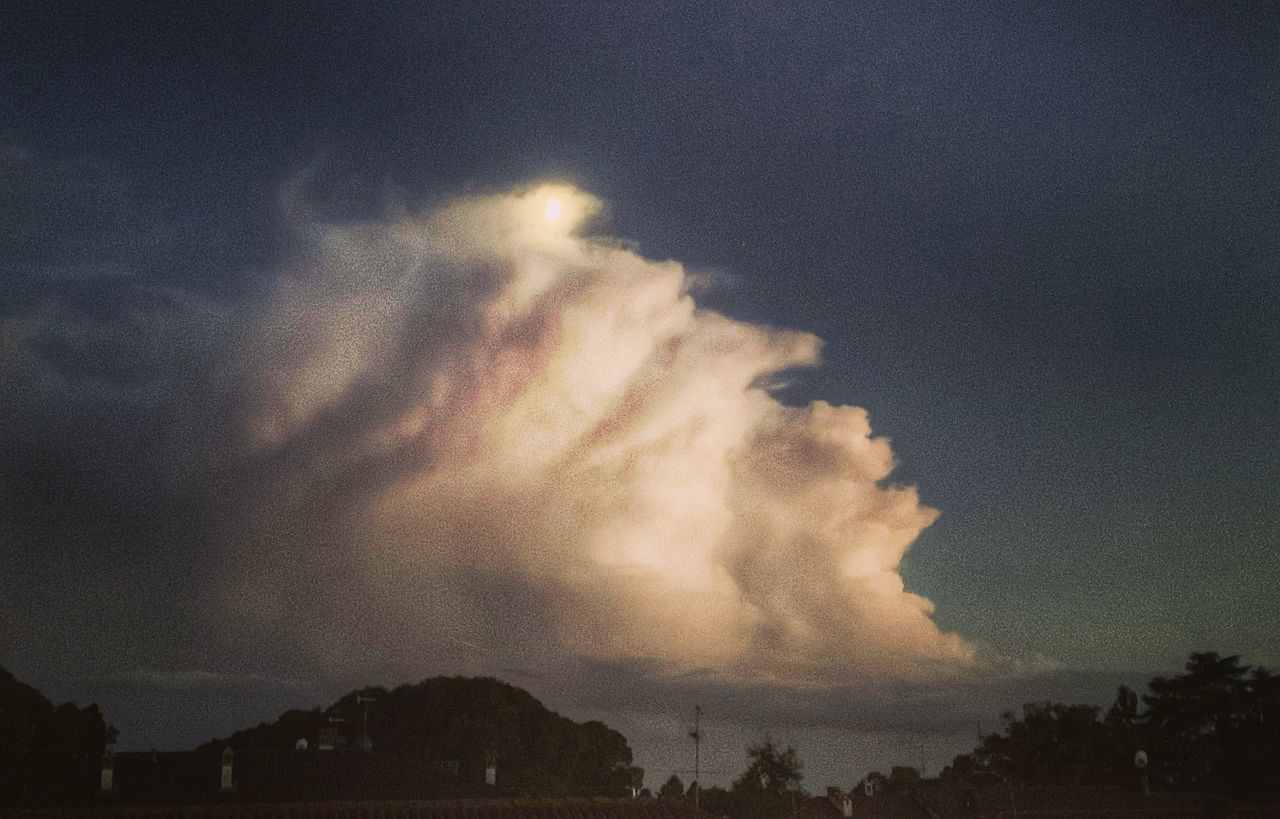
<point>696,734</point>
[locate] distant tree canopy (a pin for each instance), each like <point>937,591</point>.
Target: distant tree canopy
<point>900,778</point>
<point>47,753</point>
<point>716,800</point>
<point>1214,728</point>
<point>672,789</point>
<point>457,722</point>
<point>768,788</point>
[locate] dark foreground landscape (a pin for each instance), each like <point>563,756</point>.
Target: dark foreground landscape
<point>1202,743</point>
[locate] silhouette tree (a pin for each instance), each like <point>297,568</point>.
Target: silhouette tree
<point>901,779</point>
<point>1127,736</point>
<point>672,789</point>
<point>458,722</point>
<point>1052,744</point>
<point>716,800</point>
<point>1215,727</point>
<point>770,786</point>
<point>1257,775</point>
<point>47,754</point>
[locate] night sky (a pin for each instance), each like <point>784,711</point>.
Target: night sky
<point>301,388</point>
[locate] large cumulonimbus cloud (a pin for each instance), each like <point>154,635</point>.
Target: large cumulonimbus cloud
<point>481,433</point>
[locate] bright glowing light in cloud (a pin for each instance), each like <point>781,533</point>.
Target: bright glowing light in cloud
<point>549,210</point>
<point>533,441</point>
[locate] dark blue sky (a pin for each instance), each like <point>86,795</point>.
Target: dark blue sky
<point>1039,241</point>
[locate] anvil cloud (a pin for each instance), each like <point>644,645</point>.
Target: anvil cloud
<point>480,432</point>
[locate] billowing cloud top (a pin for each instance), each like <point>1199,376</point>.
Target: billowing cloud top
<point>485,433</point>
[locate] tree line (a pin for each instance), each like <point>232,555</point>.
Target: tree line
<point>457,728</point>
<point>46,751</point>
<point>462,726</point>
<point>768,788</point>
<point>1215,728</point>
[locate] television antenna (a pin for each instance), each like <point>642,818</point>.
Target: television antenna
<point>696,736</point>
<point>328,739</point>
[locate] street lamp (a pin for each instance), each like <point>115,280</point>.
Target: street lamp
<point>366,744</point>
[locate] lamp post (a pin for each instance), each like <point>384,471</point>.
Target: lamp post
<point>366,744</point>
<point>1140,762</point>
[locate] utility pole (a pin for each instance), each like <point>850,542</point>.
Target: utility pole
<point>696,734</point>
